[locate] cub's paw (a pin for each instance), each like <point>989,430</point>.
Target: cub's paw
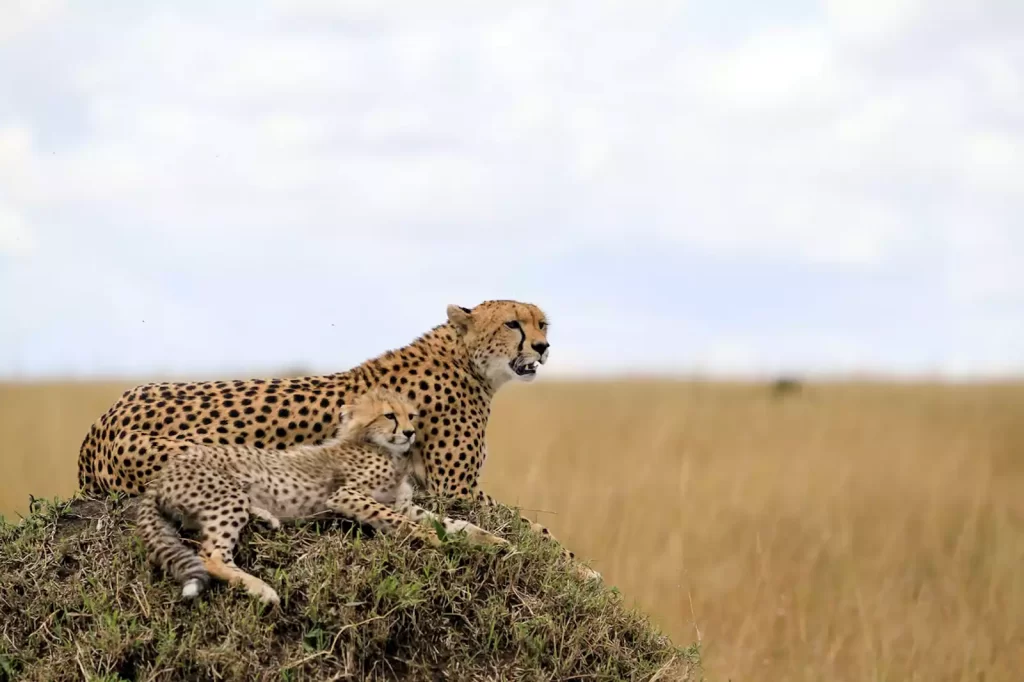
<point>266,517</point>
<point>264,592</point>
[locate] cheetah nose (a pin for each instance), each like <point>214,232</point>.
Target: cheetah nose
<point>409,433</point>
<point>540,347</point>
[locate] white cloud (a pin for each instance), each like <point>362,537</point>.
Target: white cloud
<point>774,69</point>
<point>985,263</point>
<point>994,161</point>
<point>872,122</point>
<point>15,237</point>
<point>996,71</point>
<point>21,16</point>
<point>730,356</point>
<point>871,20</point>
<point>854,139</point>
<point>15,157</point>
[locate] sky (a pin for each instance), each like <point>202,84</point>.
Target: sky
<point>232,188</point>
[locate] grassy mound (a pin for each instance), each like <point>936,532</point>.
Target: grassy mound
<point>80,601</point>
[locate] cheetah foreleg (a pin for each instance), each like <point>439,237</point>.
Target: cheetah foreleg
<point>541,530</point>
<point>489,501</point>
<point>356,505</point>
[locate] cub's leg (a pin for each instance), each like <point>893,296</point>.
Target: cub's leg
<point>405,506</point>
<point>363,508</point>
<point>222,514</point>
<point>226,570</point>
<point>165,548</point>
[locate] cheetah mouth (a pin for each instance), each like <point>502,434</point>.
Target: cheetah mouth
<point>523,368</point>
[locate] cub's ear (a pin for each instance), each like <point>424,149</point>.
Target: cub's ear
<point>461,318</point>
<point>350,422</point>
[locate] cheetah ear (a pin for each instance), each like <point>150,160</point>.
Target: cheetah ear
<point>461,318</point>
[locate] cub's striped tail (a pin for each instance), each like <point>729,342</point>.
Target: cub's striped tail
<point>166,549</point>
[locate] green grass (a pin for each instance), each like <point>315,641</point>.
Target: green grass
<point>80,601</point>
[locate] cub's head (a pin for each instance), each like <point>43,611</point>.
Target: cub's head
<point>505,339</point>
<point>381,417</point>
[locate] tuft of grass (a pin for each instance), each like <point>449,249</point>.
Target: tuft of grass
<point>81,601</point>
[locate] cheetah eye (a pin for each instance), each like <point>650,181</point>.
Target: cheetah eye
<point>412,417</point>
<point>512,324</point>
<point>542,325</point>
<point>391,416</point>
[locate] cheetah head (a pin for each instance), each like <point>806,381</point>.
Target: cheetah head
<point>381,417</point>
<point>506,340</point>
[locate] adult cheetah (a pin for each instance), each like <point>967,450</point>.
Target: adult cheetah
<point>451,373</point>
<point>362,473</point>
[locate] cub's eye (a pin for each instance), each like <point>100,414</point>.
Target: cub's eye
<point>412,417</point>
<point>391,416</point>
<point>542,325</point>
<point>512,324</point>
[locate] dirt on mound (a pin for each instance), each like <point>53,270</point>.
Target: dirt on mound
<point>80,601</point>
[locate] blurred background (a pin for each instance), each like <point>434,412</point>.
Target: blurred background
<point>704,198</point>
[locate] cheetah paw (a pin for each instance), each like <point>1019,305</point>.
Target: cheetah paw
<point>587,573</point>
<point>482,537</point>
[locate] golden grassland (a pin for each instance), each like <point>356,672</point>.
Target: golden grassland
<point>849,531</point>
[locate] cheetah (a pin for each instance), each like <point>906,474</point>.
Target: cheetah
<point>451,373</point>
<point>362,473</point>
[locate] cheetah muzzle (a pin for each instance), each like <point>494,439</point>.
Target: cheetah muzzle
<point>525,366</point>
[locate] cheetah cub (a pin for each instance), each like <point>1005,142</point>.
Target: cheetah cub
<point>363,472</point>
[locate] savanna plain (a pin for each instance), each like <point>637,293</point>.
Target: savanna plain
<point>844,531</point>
